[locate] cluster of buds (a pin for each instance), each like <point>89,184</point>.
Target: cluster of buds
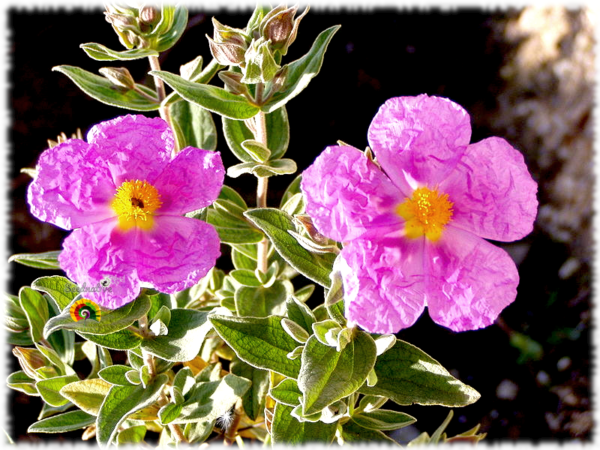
<point>256,50</point>
<point>144,26</point>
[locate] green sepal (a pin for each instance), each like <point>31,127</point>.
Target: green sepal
<point>104,91</point>
<point>407,375</point>
<point>276,224</point>
<point>46,260</point>
<point>101,53</point>
<point>213,98</point>
<point>328,375</point>
<point>63,423</point>
<point>260,341</point>
<point>301,71</point>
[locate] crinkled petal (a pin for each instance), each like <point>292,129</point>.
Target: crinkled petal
<point>471,281</point>
<point>90,257</point>
<point>383,283</point>
<point>193,180</point>
<point>73,186</point>
<point>135,147</point>
<point>419,139</point>
<point>493,193</point>
<point>348,196</point>
<point>174,255</point>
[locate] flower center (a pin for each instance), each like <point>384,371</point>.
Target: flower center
<point>135,203</point>
<point>426,213</point>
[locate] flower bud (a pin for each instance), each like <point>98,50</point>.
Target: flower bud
<point>119,76</point>
<point>233,81</point>
<point>30,360</point>
<point>227,53</point>
<point>149,15</point>
<point>261,66</point>
<point>280,27</point>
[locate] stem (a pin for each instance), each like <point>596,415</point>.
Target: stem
<point>178,432</point>
<point>147,357</point>
<point>260,135</point>
<point>231,431</point>
<point>160,91</point>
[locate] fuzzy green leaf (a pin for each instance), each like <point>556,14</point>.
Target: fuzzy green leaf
<point>263,301</point>
<point>46,260</point>
<point>101,53</point>
<point>35,307</point>
<point>193,126</point>
<point>63,423</point>
<point>383,419</point>
<point>260,341</point>
<point>254,399</point>
<point>50,389</point>
<point>276,224</point>
<point>352,432</point>
<point>287,392</point>
<point>60,289</point>
<point>286,429</point>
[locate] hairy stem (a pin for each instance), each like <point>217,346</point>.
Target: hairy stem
<point>160,91</point>
<point>260,125</point>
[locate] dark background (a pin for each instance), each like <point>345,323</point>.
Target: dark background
<point>532,368</point>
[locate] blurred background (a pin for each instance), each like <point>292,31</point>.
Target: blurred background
<point>526,75</point>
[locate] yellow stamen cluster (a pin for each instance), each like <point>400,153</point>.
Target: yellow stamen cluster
<point>135,203</point>
<point>426,213</point>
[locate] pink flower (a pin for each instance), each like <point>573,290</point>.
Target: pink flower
<point>125,196</point>
<point>413,225</point>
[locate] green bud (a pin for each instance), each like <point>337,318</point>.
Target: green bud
<point>224,33</point>
<point>119,76</point>
<point>261,66</point>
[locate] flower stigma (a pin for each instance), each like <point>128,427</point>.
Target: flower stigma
<point>426,213</point>
<point>135,203</point>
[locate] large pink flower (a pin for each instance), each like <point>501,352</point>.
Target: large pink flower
<point>414,223</point>
<point>125,196</point>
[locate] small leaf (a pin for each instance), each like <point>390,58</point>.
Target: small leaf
<point>300,313</point>
<point>408,375</point>
<point>187,330</point>
<point>263,301</point>
<point>101,53</point>
<point>257,150</point>
<point>287,392</point>
<point>122,401</point>
<point>295,330</point>
<point>276,225</point>
<point>63,423</point>
<point>301,71</point>
<point>260,341</point>
<point>88,395</point>
<point>115,374</point>
<point>103,90</point>
<point>328,375</point>
<point>46,260</point>
<point>213,98</point>
<point>267,169</point>
<point>382,419</point>
<point>36,310</point>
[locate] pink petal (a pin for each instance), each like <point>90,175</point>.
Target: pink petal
<point>174,255</point>
<point>135,147</point>
<point>493,193</point>
<point>73,186</point>
<point>471,282</point>
<point>89,256</point>
<point>348,196</point>
<point>383,283</point>
<point>419,139</point>
<point>193,180</point>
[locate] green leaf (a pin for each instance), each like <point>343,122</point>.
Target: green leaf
<point>287,392</point>
<point>88,395</point>
<point>257,150</point>
<point>60,289</point>
<point>276,225</point>
<point>213,98</point>
<point>278,135</point>
<point>263,301</point>
<point>209,400</point>
<point>353,432</point>
<point>122,401</point>
<point>328,375</point>
<point>260,341</point>
<point>187,331</point>
<point>62,341</point>
<point>295,330</point>
<point>63,423</point>
<point>118,340</point>
<point>245,277</point>
<point>408,375</point>
<point>104,91</point>
<point>109,322</point>
<point>115,374</point>
<point>254,399</point>
<point>19,381</point>
<point>46,260</point>
<point>300,313</point>
<point>241,260</point>
<point>193,126</point>
<point>101,53</point>
<point>132,435</point>
<point>176,27</point>
<point>383,419</point>
<point>15,319</point>
<point>36,309</point>
<point>286,429</point>
<point>301,71</point>
<point>50,389</point>
<point>283,166</point>
<point>231,229</point>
